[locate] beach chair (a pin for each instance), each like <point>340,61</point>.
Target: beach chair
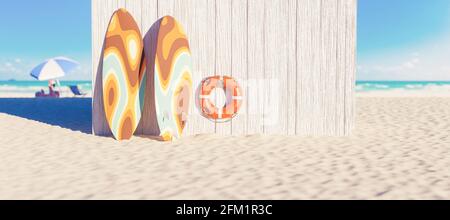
<point>76,91</point>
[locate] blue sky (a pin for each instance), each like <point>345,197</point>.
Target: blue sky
<point>397,39</point>
<point>397,24</point>
<point>403,40</point>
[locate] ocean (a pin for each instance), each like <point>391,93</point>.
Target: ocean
<point>30,87</point>
<point>399,86</point>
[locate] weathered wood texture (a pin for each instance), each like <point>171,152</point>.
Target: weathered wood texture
<point>295,60</point>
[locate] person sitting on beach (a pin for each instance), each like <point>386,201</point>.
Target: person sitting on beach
<point>50,90</point>
<point>51,86</point>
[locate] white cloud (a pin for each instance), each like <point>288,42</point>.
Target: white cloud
<point>429,61</point>
<point>14,68</point>
<point>397,68</point>
<point>411,64</point>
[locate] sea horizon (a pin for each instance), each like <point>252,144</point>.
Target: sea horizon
<point>27,88</point>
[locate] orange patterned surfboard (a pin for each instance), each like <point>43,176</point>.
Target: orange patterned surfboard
<point>122,75</point>
<point>173,78</point>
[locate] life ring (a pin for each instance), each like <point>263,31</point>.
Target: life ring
<point>233,94</point>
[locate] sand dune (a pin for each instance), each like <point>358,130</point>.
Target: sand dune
<point>400,150</point>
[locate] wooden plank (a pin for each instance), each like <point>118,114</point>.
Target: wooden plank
<point>341,69</point>
<point>103,11</point>
<point>165,7</point>
<point>291,105</point>
<point>351,16</point>
<point>304,69</point>
<point>317,122</point>
<point>200,30</point>
<point>223,50</point>
<point>275,95</point>
<point>239,60</point>
<point>309,96</point>
<point>255,65</point>
<point>207,54</point>
<point>121,3</point>
<point>328,61</point>
<point>149,13</point>
<point>202,39</point>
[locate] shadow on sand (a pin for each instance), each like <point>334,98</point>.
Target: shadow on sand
<point>70,113</point>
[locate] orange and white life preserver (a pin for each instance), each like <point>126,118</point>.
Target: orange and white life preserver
<point>233,94</point>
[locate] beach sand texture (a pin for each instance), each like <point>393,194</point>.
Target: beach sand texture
<point>400,150</point>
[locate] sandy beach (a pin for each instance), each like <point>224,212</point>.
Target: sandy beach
<point>400,150</point>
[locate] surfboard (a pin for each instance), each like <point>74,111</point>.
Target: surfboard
<point>122,75</point>
<point>172,78</point>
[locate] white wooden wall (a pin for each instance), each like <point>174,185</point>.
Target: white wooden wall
<point>295,60</point>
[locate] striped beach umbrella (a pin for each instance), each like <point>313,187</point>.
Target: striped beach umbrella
<point>53,68</point>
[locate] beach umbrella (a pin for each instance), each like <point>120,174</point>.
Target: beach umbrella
<point>53,68</point>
